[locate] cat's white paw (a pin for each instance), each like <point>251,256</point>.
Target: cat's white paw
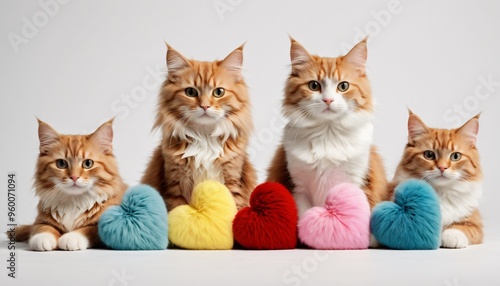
<point>44,241</point>
<point>73,241</point>
<point>454,238</point>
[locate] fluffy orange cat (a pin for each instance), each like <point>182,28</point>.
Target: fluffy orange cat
<point>205,119</point>
<point>76,179</point>
<point>329,137</point>
<point>449,161</point>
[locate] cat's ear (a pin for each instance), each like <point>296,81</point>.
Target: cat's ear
<point>234,63</point>
<point>357,56</point>
<point>47,136</point>
<point>103,137</point>
<point>469,130</point>
<point>416,127</point>
<point>299,56</point>
<point>175,61</point>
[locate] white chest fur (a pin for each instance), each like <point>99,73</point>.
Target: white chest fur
<point>458,200</point>
<point>68,209</point>
<point>205,149</point>
<point>324,155</point>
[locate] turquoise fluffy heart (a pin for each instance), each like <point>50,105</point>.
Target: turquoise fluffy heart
<point>139,223</point>
<point>412,221</point>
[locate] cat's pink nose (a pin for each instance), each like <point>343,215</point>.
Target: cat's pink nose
<point>442,168</point>
<point>205,107</point>
<point>74,178</point>
<point>327,100</point>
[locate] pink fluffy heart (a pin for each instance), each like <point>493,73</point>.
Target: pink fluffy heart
<point>343,223</point>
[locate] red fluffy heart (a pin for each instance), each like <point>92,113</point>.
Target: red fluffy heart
<point>270,222</point>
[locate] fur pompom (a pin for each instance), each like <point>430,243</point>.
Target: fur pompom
<point>270,222</point>
<point>139,223</point>
<point>206,223</point>
<point>412,221</point>
<point>343,223</point>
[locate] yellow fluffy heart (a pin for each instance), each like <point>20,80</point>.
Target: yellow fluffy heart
<point>206,223</point>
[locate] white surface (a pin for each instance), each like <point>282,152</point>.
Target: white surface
<point>473,266</point>
<point>83,64</point>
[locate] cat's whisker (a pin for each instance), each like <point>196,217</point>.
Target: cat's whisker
<point>296,120</point>
<point>180,124</point>
<point>298,117</point>
<point>426,177</point>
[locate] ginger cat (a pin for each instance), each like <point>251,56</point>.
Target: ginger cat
<point>76,179</point>
<point>329,137</point>
<point>205,118</point>
<point>449,161</point>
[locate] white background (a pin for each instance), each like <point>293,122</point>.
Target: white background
<point>82,62</point>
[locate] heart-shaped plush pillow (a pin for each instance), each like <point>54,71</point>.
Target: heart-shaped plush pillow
<point>343,223</point>
<point>270,222</point>
<point>412,221</point>
<point>206,223</point>
<point>139,223</point>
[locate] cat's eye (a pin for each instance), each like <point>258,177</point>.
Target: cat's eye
<point>429,155</point>
<point>191,92</point>
<point>87,163</point>
<point>61,164</point>
<point>343,86</point>
<point>219,92</point>
<point>314,85</point>
<point>455,156</point>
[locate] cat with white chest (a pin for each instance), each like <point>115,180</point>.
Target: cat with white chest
<point>205,119</point>
<point>76,179</point>
<point>329,137</point>
<point>449,161</point>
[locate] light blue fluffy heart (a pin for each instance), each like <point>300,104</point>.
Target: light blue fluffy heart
<point>412,221</point>
<point>139,223</point>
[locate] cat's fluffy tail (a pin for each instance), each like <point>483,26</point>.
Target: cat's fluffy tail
<point>21,234</point>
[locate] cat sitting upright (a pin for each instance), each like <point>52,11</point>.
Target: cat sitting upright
<point>205,118</point>
<point>329,137</point>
